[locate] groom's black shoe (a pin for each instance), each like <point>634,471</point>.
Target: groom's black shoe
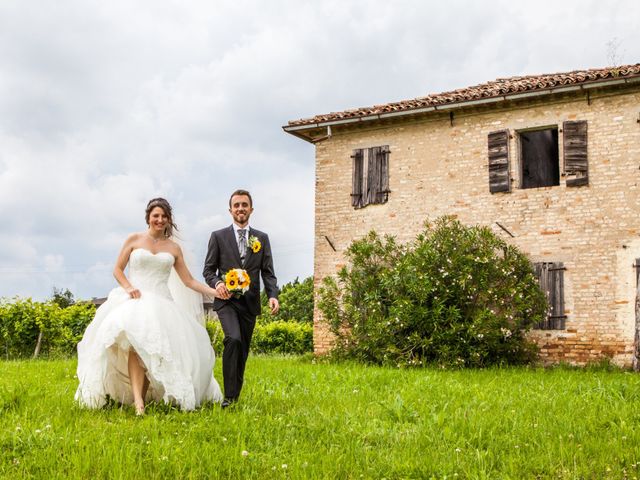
<point>227,402</point>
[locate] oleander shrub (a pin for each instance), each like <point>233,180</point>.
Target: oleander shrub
<point>457,296</point>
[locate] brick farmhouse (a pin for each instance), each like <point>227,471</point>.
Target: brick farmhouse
<point>550,162</point>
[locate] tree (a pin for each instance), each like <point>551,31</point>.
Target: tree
<point>62,298</point>
<point>296,302</point>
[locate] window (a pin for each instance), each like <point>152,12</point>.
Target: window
<point>540,163</point>
<point>551,279</point>
<point>370,182</point>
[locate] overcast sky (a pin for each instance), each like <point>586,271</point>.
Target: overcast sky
<point>104,105</point>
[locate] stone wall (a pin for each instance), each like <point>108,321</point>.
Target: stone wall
<point>439,165</point>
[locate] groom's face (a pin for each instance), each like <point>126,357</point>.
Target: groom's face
<point>241,209</point>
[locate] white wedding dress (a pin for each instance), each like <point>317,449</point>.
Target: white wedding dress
<point>171,342</point>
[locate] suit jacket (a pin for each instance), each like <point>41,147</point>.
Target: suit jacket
<point>223,255</point>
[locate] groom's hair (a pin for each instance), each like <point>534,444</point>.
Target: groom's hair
<point>241,192</point>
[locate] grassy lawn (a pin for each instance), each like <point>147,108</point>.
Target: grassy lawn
<point>298,419</point>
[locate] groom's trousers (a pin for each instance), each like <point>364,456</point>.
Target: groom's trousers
<point>237,324</point>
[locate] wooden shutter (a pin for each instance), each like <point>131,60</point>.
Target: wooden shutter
<point>372,175</point>
<point>379,186</point>
<point>370,182</point>
<point>636,339</point>
<point>499,179</point>
<point>357,188</point>
<point>551,279</point>
<point>576,165</point>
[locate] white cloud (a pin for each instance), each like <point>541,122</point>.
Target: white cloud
<point>104,105</point>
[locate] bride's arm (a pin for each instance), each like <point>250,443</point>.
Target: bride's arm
<point>186,277</point>
<point>121,264</point>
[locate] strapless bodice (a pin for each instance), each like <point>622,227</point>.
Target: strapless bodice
<point>150,271</point>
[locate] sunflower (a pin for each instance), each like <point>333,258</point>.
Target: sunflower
<point>237,281</point>
<point>255,244</point>
<point>231,279</point>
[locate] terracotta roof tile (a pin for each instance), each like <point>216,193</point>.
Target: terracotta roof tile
<point>496,88</point>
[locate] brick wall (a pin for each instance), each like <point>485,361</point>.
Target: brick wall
<point>438,168</point>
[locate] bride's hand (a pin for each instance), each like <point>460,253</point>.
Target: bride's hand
<point>222,292</point>
<point>133,292</point>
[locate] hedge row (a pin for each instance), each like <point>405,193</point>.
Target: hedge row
<point>278,336</point>
<point>23,322</point>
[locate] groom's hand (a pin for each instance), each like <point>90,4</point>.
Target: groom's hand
<point>274,305</point>
<point>222,290</point>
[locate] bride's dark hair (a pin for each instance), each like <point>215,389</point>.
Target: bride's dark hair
<point>164,205</point>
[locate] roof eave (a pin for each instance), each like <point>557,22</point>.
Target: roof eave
<point>298,130</point>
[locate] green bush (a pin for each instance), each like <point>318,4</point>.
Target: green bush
<point>278,336</point>
<point>22,320</point>
<point>457,296</point>
<point>296,303</point>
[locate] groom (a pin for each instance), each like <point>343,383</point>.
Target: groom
<point>239,246</point>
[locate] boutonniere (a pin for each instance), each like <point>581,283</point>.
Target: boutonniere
<point>255,244</point>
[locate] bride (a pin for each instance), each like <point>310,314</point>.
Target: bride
<point>143,344</point>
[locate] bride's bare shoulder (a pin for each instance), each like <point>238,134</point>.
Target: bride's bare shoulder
<point>175,247</point>
<point>134,240</point>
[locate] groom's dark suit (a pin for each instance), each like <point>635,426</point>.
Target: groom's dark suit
<point>238,315</point>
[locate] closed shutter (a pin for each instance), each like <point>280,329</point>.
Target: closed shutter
<point>372,175</point>
<point>551,278</point>
<point>576,165</point>
<point>499,179</point>
<point>357,189</point>
<point>636,340</point>
<point>381,178</point>
<point>370,182</point>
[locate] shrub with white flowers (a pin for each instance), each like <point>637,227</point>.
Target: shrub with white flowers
<point>457,296</point>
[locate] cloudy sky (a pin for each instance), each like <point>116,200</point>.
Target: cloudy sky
<point>104,105</point>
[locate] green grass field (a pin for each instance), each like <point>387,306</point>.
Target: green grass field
<point>298,419</point>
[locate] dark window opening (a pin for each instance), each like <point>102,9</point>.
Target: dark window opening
<point>540,159</point>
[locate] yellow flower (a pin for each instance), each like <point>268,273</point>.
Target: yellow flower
<point>231,279</point>
<point>237,281</point>
<point>255,244</point>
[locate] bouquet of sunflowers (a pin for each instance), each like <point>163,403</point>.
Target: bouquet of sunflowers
<point>237,281</point>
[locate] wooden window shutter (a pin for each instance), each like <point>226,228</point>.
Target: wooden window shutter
<point>371,176</point>
<point>378,186</point>
<point>357,188</point>
<point>499,180</point>
<point>551,279</point>
<point>370,182</point>
<point>576,165</point>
